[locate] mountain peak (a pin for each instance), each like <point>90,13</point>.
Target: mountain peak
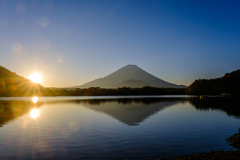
<point>129,72</point>
<point>131,65</point>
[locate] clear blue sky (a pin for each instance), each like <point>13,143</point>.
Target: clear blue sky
<point>75,41</point>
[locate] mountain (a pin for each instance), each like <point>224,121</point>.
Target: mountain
<point>129,76</point>
<point>131,83</point>
<point>228,84</point>
<point>12,84</point>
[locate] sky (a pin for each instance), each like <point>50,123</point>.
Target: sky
<point>76,41</point>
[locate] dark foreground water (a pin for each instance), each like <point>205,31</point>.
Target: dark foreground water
<point>135,128</point>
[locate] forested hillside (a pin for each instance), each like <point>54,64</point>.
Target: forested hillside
<point>228,84</point>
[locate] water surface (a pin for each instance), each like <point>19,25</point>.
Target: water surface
<point>115,128</point>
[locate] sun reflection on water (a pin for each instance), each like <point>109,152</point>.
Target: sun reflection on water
<point>34,113</point>
<point>35,99</point>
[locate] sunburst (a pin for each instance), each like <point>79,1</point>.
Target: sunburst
<point>35,77</point>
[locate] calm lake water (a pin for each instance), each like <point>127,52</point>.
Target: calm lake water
<point>115,127</point>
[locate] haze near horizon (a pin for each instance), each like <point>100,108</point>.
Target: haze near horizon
<point>70,43</point>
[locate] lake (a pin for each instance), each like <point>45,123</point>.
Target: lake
<point>144,127</point>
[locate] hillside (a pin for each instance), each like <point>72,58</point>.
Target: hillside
<point>228,84</point>
<point>12,84</point>
<point>129,76</point>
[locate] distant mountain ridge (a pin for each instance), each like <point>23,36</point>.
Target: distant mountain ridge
<point>129,76</point>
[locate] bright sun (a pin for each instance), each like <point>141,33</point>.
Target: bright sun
<point>35,77</point>
<point>34,113</point>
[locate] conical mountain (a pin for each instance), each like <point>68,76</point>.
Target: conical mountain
<point>129,76</point>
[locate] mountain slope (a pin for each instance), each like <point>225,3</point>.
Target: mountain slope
<point>129,72</point>
<point>131,83</point>
<point>12,84</point>
<point>229,83</point>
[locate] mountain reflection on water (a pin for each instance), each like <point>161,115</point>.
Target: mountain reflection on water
<point>10,110</point>
<point>134,111</point>
<point>130,111</point>
<point>130,128</point>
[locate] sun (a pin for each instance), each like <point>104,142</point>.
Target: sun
<point>35,77</point>
<point>34,113</point>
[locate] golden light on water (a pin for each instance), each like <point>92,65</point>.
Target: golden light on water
<point>34,113</point>
<point>35,99</point>
<point>35,77</point>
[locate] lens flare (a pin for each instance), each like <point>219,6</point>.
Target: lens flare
<point>34,113</point>
<point>16,47</point>
<point>59,60</point>
<point>43,22</point>
<point>42,146</point>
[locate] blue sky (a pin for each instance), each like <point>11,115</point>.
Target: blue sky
<point>76,41</point>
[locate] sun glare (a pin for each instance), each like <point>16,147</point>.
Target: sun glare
<point>34,113</point>
<point>35,77</point>
<point>35,99</point>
